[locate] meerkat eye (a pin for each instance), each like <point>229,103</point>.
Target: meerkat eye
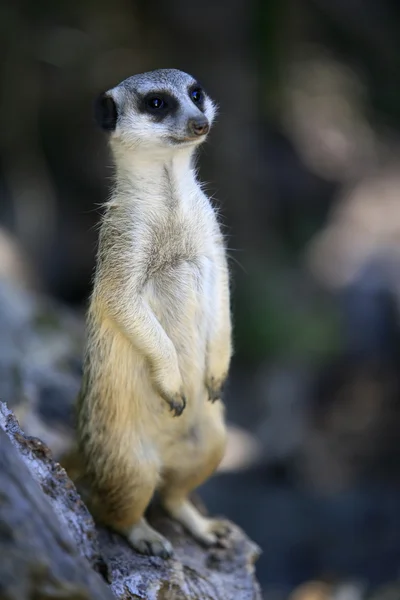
<point>197,95</point>
<point>156,103</point>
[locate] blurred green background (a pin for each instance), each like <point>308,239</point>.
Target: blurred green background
<point>304,163</point>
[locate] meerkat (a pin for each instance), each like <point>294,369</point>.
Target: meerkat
<point>150,414</point>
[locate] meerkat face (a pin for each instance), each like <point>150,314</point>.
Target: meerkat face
<point>160,109</point>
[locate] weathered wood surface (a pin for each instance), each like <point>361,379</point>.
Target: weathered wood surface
<point>39,558</point>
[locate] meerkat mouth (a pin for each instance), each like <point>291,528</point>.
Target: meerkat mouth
<point>192,140</point>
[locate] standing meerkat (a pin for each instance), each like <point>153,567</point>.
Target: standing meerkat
<point>150,415</point>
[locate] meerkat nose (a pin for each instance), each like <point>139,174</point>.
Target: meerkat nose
<point>198,126</point>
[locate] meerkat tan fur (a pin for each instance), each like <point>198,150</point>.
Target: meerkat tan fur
<point>150,415</point>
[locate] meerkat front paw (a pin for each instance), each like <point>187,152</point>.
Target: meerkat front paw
<point>176,404</point>
<point>170,387</point>
<point>147,540</point>
<point>215,388</point>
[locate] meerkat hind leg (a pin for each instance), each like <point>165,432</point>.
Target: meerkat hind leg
<point>124,503</point>
<point>174,496</point>
<point>147,540</point>
<point>179,483</point>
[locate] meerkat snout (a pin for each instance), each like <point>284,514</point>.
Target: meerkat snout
<point>198,126</point>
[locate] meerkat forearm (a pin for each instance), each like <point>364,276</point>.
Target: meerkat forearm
<point>137,322</point>
<point>219,346</point>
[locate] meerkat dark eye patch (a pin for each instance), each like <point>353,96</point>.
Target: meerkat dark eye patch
<point>197,95</point>
<point>106,112</point>
<point>158,104</point>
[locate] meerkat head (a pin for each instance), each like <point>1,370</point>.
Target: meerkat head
<point>163,109</point>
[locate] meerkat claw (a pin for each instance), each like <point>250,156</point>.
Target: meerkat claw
<point>157,549</point>
<point>177,406</point>
<point>214,396</point>
<point>216,534</point>
<point>220,528</point>
<point>145,540</point>
<point>215,390</point>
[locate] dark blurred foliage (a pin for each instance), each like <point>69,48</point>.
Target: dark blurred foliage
<point>304,161</point>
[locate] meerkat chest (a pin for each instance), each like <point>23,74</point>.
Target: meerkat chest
<point>180,266</point>
<point>179,239</point>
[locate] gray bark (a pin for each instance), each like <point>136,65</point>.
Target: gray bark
<point>42,556</point>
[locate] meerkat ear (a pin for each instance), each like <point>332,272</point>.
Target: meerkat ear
<point>106,112</point>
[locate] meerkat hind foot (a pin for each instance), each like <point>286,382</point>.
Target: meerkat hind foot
<point>147,540</point>
<point>209,532</point>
